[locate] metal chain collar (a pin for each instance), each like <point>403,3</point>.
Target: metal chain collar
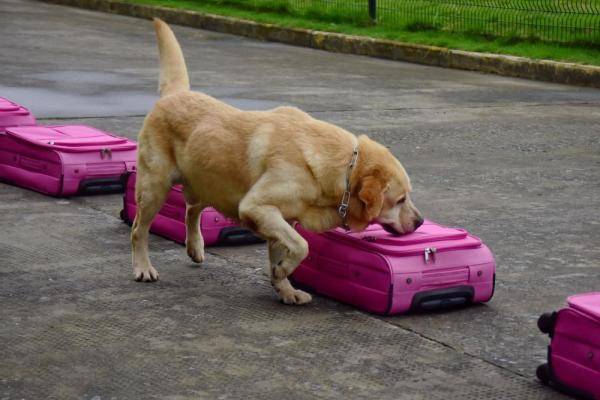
<point>344,204</point>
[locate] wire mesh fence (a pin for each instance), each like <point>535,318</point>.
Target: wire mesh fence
<point>546,20</point>
<point>570,21</point>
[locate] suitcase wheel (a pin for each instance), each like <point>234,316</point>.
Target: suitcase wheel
<point>543,373</point>
<point>546,323</point>
<point>124,218</point>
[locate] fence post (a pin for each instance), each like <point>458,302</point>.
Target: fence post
<point>373,10</point>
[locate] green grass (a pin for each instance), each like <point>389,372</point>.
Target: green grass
<point>435,30</point>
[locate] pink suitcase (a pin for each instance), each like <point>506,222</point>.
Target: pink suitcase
<point>574,352</point>
<point>432,268</point>
<point>65,160</point>
<point>170,221</point>
<point>13,114</point>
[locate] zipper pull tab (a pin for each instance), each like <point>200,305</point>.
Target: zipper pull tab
<point>429,254</point>
<point>105,152</point>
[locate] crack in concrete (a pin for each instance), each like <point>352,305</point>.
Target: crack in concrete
<point>243,267</point>
<point>458,350</point>
<point>91,207</point>
<point>405,328</point>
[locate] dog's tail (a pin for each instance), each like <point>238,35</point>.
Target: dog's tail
<point>173,72</point>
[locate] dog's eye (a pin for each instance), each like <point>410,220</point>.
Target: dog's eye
<point>401,200</point>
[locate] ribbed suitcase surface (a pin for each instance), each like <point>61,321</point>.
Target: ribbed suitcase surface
<point>434,267</point>
<point>216,229</point>
<point>574,351</point>
<point>65,160</point>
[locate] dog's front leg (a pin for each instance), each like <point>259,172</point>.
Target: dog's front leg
<point>286,248</point>
<point>281,266</point>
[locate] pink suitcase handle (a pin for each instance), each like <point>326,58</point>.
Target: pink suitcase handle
<point>441,299</point>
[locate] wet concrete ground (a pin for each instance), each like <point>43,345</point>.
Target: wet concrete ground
<point>514,161</point>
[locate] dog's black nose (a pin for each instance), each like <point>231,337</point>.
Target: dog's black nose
<point>419,222</point>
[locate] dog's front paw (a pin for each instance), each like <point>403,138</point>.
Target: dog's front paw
<point>195,251</point>
<point>148,274</point>
<point>294,297</point>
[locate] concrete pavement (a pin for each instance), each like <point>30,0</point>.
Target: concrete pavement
<point>516,162</point>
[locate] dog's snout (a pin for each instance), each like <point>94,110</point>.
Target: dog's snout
<point>418,222</point>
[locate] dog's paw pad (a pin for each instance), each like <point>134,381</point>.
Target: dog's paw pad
<point>196,253</point>
<point>295,297</point>
<point>145,274</point>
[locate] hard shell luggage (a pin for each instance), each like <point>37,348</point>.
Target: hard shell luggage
<point>432,268</point>
<point>65,160</point>
<point>13,114</point>
<point>574,352</point>
<point>170,221</point>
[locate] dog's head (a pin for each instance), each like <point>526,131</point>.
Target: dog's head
<point>382,192</point>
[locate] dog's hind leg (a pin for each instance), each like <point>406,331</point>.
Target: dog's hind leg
<point>151,189</point>
<point>194,243</point>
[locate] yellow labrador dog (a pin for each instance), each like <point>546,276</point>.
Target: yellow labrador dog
<point>267,168</point>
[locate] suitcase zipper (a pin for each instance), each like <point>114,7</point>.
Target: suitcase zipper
<point>437,238</point>
<point>429,252</point>
<point>412,252</point>
<point>105,152</point>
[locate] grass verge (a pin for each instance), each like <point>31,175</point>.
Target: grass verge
<point>420,35</point>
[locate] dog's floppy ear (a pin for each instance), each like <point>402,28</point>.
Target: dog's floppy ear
<point>371,195</point>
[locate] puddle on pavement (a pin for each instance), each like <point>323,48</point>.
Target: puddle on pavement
<point>52,103</point>
<point>83,77</point>
<point>47,103</point>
